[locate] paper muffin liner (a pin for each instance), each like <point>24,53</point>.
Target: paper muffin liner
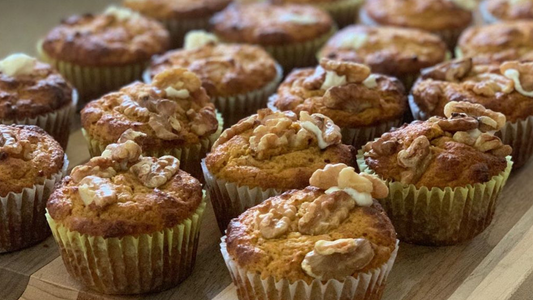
<point>366,286</point>
<point>131,264</point>
<point>235,108</point>
<point>22,215</point>
<point>344,12</point>
<point>488,18</point>
<point>178,28</point>
<point>440,217</point>
<point>230,199</point>
<point>189,156</point>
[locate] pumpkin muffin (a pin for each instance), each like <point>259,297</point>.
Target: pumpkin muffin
<point>179,17</point>
<point>291,33</point>
<point>445,18</point>
<point>362,104</point>
<point>172,115</point>
<point>101,53</point>
<point>506,10</point>
<point>33,93</point>
<point>343,12</point>
<point>239,78</point>
<point>444,174</point>
<point>394,51</point>
<point>127,223</point>
<point>31,163</point>
<point>266,154</point>
<point>330,240</point>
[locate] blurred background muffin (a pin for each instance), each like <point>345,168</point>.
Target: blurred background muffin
<point>506,10</point>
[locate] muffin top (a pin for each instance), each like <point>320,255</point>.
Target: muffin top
<point>277,150</point>
<point>505,88</point>
<point>176,9</point>
<point>28,156</point>
<point>498,42</point>
<point>225,69</point>
<point>173,111</point>
<point>344,91</point>
<point>510,9</point>
<point>332,229</point>
<point>269,24</point>
<point>123,193</point>
<point>117,37</point>
<point>431,15</point>
<point>386,50</point>
<point>29,88</point>
<point>442,152</point>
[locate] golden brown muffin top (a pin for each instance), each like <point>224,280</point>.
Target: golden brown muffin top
<point>510,9</point>
<point>269,24</point>
<point>225,69</point>
<point>28,156</point>
<point>173,111</point>
<point>505,88</point>
<point>277,150</point>
<point>117,37</point>
<point>386,50</point>
<point>29,88</point>
<point>176,9</point>
<point>498,42</point>
<point>123,193</point>
<point>332,229</point>
<point>344,91</point>
<point>455,151</point>
<point>431,15</point>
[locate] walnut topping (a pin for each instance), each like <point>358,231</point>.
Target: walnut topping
<point>521,75</point>
<point>178,79</point>
<point>489,85</point>
<point>277,221</point>
<point>324,213</point>
<point>337,259</point>
<point>82,171</point>
<point>9,144</point>
<point>478,111</point>
<point>199,38</point>
<point>124,153</point>
<point>130,135</point>
<point>323,127</point>
<point>17,64</point>
<point>452,71</point>
<point>97,190</point>
<point>415,159</point>
<point>154,172</point>
<point>353,72</point>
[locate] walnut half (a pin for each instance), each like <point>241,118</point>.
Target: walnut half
<point>97,190</point>
<point>154,172</point>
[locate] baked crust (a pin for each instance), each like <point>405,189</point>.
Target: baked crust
<point>31,95</point>
<point>28,156</point>
<point>172,9</point>
<point>225,69</point>
<point>510,10</point>
<point>431,15</point>
<point>269,24</point>
<point>499,42</point>
<point>106,40</point>
<point>386,50</point>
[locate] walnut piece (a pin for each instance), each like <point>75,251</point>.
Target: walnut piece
<point>354,72</point>
<point>82,171</point>
<point>478,111</point>
<point>457,122</point>
<point>325,213</point>
<point>123,153</point>
<point>489,85</point>
<point>326,132</point>
<point>415,159</point>
<point>315,81</point>
<point>452,71</point>
<point>97,190</point>
<point>10,145</point>
<point>177,79</point>
<point>276,221</point>
<point>154,172</point>
<point>130,135</point>
<point>521,74</point>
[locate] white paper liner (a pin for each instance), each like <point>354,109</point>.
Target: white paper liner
<point>366,286</point>
<point>22,215</point>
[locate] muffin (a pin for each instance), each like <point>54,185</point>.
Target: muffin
<point>179,17</point>
<point>343,12</point>
<point>362,104</point>
<point>102,53</point>
<point>266,154</point>
<point>31,163</point>
<point>503,88</point>
<point>239,78</point>
<point>330,240</point>
<point>127,223</point>
<point>506,10</point>
<point>445,18</point>
<point>394,51</point>
<point>497,43</point>
<point>291,33</point>
<point>33,93</point>
<point>172,116</point>
<point>444,174</point>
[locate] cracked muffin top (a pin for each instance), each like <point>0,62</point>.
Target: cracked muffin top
<point>344,91</point>
<point>28,156</point>
<point>277,150</point>
<point>117,37</point>
<point>430,15</point>
<point>269,24</point>
<point>508,10</point>
<point>122,193</point>
<point>225,69</point>
<point>386,50</point>
<point>498,42</point>
<point>332,229</point>
<point>505,88</point>
<point>455,151</point>
<point>29,88</point>
<point>174,110</point>
<point>176,9</point>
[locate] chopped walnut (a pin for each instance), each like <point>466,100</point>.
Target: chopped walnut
<point>131,108</point>
<point>327,177</point>
<point>315,81</point>
<point>452,71</point>
<point>477,111</point>
<point>322,127</point>
<point>383,146</point>
<point>350,97</point>
<point>521,74</point>
<point>457,122</point>
<point>82,171</point>
<point>489,85</point>
<point>242,126</point>
<point>277,221</point>
<point>123,153</point>
<point>154,172</point>
<point>97,190</point>
<point>162,128</point>
<point>415,159</point>
<point>9,144</point>
<point>130,135</point>
<point>325,213</point>
<point>203,122</point>
<point>354,72</point>
<point>487,142</point>
<point>178,79</point>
